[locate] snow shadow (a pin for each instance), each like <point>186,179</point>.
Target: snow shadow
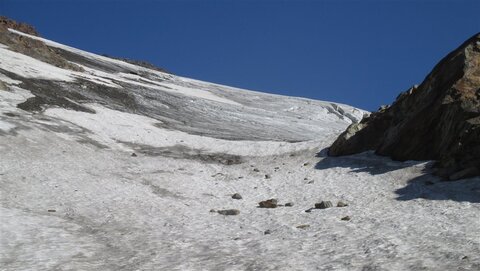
<point>425,186</point>
<point>428,186</point>
<point>363,162</point>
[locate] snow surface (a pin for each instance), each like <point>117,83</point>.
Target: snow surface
<point>30,67</point>
<point>74,198</point>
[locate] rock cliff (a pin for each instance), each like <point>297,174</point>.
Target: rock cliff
<point>437,120</point>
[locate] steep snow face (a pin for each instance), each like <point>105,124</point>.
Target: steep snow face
<point>73,197</point>
<point>183,104</point>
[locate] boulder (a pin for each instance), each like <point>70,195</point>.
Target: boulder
<point>236,196</point>
<point>437,120</point>
<point>271,203</point>
<point>323,205</point>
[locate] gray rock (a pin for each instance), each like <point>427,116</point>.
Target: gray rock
<point>323,205</point>
<point>236,196</point>
<point>345,218</point>
<point>229,212</point>
<point>342,204</point>
<point>267,176</point>
<point>267,232</point>
<point>289,204</point>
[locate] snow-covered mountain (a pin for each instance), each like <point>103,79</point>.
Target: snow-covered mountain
<point>106,165</point>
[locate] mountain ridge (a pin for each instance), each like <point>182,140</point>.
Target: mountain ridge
<point>437,120</point>
<point>116,167</point>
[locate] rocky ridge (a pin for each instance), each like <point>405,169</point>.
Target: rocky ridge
<point>437,120</point>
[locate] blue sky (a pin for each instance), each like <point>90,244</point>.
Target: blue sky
<point>361,53</point>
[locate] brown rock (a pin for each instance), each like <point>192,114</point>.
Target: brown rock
<point>437,120</point>
<point>345,218</point>
<point>271,203</point>
<point>303,226</point>
<point>22,27</point>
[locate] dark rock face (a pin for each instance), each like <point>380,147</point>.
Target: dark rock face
<point>324,205</point>
<point>438,120</point>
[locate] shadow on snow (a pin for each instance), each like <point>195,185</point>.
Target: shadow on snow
<point>425,186</point>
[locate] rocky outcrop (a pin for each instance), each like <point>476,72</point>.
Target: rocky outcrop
<point>22,27</point>
<point>437,120</point>
<point>31,47</point>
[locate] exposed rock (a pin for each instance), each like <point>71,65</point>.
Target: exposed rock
<point>267,232</point>
<point>323,205</point>
<point>311,182</point>
<point>229,212</point>
<point>437,120</point>
<point>134,154</point>
<point>51,211</point>
<point>256,170</point>
<point>345,218</point>
<point>236,196</point>
<point>303,226</point>
<point>3,86</point>
<point>22,27</point>
<point>31,47</point>
<point>271,203</point>
<point>267,176</point>
<point>289,204</point>
<point>309,210</point>
<point>342,204</point>
<point>213,211</point>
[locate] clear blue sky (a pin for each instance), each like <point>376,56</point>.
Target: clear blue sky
<point>361,53</point>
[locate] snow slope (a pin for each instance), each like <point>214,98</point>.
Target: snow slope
<point>74,198</point>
